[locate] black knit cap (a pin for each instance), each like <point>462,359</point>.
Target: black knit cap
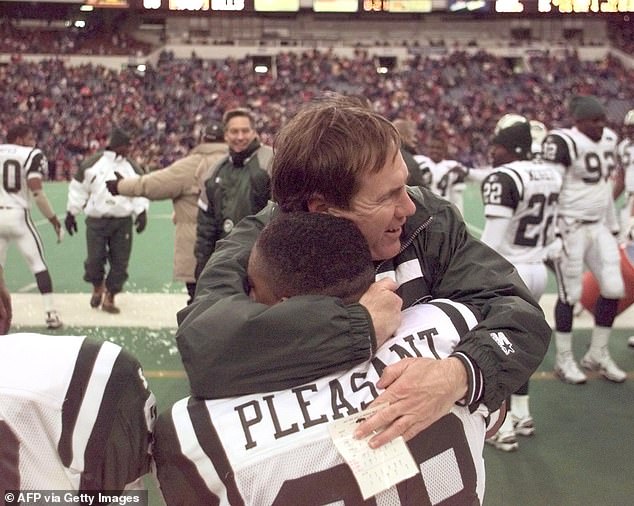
<point>213,132</point>
<point>516,139</point>
<point>586,107</point>
<point>118,138</point>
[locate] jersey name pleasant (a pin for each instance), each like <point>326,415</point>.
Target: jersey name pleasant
<point>284,413</point>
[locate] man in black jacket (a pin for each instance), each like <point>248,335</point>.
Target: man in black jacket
<point>238,185</point>
<point>343,159</point>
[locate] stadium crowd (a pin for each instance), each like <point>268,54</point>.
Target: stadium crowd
<point>72,108</point>
<point>16,40</point>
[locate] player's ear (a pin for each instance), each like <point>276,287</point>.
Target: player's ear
<point>317,204</point>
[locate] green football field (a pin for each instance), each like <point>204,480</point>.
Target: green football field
<point>580,455</point>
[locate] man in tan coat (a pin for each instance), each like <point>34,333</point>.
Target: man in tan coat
<point>181,182</point>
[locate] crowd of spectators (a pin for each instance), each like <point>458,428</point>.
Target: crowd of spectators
<point>621,35</point>
<point>90,41</point>
<point>73,108</point>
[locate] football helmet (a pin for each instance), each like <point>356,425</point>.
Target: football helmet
<point>538,134</point>
<point>538,131</point>
<point>629,118</point>
<point>507,120</point>
<point>515,138</point>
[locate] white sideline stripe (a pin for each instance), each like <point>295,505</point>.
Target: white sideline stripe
<point>152,310</point>
<point>158,310</point>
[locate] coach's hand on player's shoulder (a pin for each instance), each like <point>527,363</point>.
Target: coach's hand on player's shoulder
<point>141,222</point>
<point>111,184</point>
<point>384,307</point>
<point>70,223</point>
<point>419,391</point>
<point>57,226</point>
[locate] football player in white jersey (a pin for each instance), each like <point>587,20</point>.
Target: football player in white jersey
<point>75,415</point>
<point>274,447</point>
<point>520,198</point>
<point>22,168</point>
<point>444,177</point>
<point>626,159</point>
<point>587,152</point>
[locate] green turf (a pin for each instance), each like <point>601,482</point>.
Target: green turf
<point>581,452</point>
<point>150,264</point>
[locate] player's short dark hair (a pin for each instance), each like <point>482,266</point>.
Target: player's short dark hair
<point>315,254</point>
<point>17,131</point>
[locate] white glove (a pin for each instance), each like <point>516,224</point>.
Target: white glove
<point>555,249</point>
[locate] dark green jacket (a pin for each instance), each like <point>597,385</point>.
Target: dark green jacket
<point>232,193</point>
<point>231,345</point>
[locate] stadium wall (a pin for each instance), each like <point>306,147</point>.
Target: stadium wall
<point>433,36</point>
<point>313,30</point>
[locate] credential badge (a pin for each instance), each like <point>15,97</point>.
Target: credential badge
<point>227,226</point>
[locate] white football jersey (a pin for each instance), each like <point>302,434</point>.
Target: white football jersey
<point>626,158</point>
<point>526,192</point>
<point>441,180</point>
<point>17,164</point>
<point>586,193</point>
<point>274,448</point>
<point>62,399</point>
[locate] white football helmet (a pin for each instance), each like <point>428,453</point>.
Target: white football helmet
<point>538,134</point>
<point>507,120</point>
<point>629,118</point>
